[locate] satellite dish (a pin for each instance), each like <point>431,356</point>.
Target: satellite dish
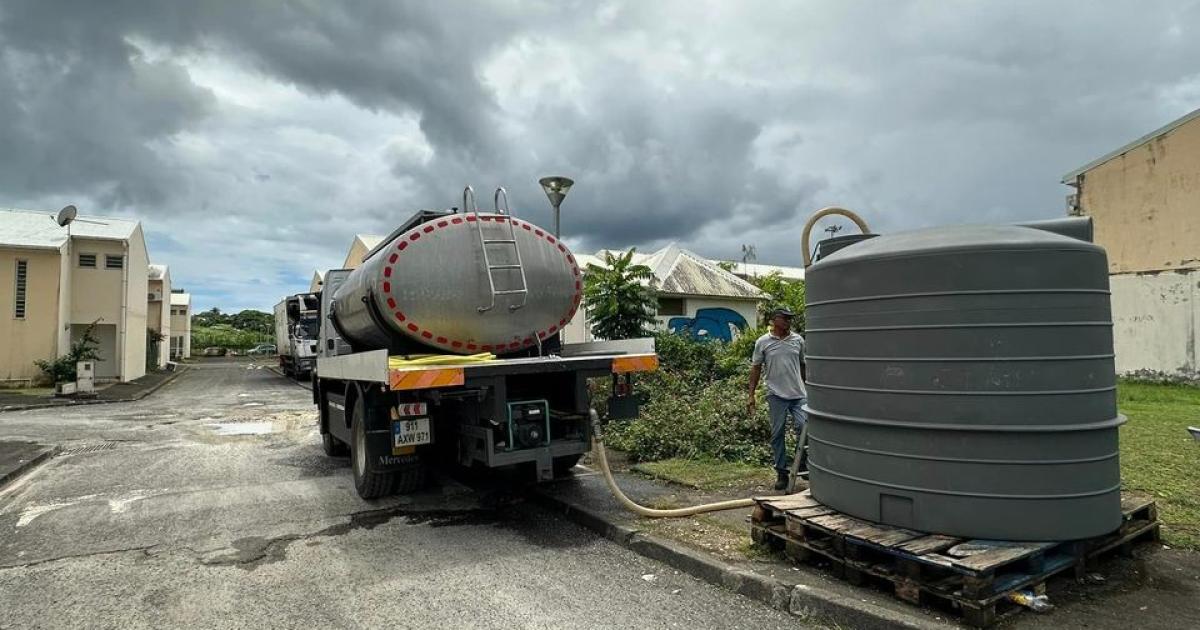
<point>66,216</point>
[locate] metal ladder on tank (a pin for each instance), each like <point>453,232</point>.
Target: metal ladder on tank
<point>490,269</point>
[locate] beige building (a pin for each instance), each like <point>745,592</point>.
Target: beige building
<point>55,283</point>
<point>1145,201</point>
<point>318,281</point>
<point>181,325</point>
<point>158,314</point>
<point>362,244</point>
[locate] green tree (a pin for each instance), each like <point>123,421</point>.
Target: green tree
<point>254,321</point>
<point>211,317</point>
<point>620,302</point>
<point>781,293</point>
<point>62,369</point>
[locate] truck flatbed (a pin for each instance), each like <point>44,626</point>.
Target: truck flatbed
<point>597,357</point>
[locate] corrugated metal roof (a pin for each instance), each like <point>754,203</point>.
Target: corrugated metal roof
<point>181,299</point>
<point>25,228</point>
<point>678,271</point>
<point>1069,178</point>
<point>755,270</point>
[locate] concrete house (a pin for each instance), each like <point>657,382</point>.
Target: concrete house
<point>695,296</point>
<point>362,244</point>
<point>318,281</point>
<point>1144,199</point>
<point>54,283</point>
<point>181,324</point>
<point>158,313</point>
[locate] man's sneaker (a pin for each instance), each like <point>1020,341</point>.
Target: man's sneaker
<point>781,480</point>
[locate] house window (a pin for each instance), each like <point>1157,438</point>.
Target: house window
<point>670,306</point>
<point>114,262</point>
<point>87,260</point>
<point>21,279</point>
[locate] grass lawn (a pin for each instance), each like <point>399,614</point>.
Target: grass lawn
<point>1159,457</point>
<point>707,474</point>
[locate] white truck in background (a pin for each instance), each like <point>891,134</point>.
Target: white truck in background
<point>296,330</point>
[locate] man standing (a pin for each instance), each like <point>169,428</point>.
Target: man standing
<point>780,355</point>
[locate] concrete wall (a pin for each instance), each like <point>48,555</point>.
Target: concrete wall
<point>1155,322</point>
<point>114,296</point>
<point>96,293</point>
<point>747,309</point>
<point>22,341</point>
<point>1146,203</point>
<point>137,268</point>
<point>158,315</point>
<point>181,326</point>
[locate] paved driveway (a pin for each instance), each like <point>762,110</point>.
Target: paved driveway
<point>210,504</point>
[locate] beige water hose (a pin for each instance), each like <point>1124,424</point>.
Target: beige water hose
<point>824,212</point>
<point>602,457</point>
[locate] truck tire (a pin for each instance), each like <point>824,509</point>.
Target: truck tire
<point>563,465</point>
<point>410,478</point>
<point>332,446</point>
<point>368,483</point>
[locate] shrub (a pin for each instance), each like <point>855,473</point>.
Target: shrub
<point>226,336</point>
<point>62,369</point>
<point>696,405</point>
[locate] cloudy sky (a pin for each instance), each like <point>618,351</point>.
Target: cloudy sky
<point>253,139</point>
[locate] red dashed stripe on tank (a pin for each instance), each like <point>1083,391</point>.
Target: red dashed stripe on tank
<point>415,234</point>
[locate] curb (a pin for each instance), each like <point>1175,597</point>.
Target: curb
<point>97,401</point>
<point>46,453</point>
<point>804,601</point>
<point>305,385</point>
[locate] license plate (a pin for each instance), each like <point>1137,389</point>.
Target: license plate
<point>410,432</point>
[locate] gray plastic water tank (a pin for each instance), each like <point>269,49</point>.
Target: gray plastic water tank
<point>961,381</point>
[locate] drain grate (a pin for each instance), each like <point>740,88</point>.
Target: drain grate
<point>89,448</point>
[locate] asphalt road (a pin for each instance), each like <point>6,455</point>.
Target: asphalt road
<point>210,504</point>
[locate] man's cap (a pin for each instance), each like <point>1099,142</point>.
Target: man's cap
<point>784,311</point>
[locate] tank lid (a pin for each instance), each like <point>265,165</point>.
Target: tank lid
<point>955,238</point>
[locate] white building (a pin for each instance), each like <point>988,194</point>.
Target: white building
<point>694,295</point>
<point>158,314</point>
<point>181,324</point>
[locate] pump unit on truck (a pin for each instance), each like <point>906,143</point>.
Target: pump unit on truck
<point>444,346</point>
<point>296,330</point>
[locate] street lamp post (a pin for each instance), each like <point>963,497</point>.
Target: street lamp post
<point>556,188</point>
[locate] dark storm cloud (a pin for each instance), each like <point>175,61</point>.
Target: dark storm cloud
<point>279,129</point>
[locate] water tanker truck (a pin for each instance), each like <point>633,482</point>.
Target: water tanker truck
<point>444,346</point>
<point>296,329</point>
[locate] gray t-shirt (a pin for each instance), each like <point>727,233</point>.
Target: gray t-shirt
<point>781,358</point>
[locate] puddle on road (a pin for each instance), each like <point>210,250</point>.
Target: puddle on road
<point>243,428</point>
<point>260,424</point>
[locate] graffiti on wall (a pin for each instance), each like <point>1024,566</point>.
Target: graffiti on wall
<point>709,323</point>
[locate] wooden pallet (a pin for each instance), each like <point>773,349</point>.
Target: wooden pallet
<point>972,576</point>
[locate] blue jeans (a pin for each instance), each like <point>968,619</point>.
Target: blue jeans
<point>780,409</point>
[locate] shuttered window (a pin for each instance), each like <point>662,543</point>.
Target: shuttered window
<point>114,262</point>
<point>20,285</point>
<point>87,260</point>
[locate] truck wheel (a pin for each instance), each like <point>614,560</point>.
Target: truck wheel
<point>410,478</point>
<point>563,465</point>
<point>368,484</point>
<point>332,446</point>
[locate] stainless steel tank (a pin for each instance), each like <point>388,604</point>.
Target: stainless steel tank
<point>429,284</point>
<point>962,382</point>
